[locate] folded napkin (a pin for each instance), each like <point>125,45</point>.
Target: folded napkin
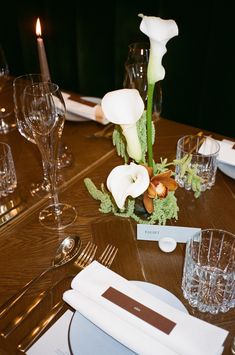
<point>226,152</point>
<point>84,108</point>
<point>171,331</point>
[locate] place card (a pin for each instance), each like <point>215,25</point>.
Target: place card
<point>155,232</point>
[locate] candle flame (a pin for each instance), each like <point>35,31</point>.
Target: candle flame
<point>38,28</point>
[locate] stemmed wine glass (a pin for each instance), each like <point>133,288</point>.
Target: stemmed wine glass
<point>4,69</point>
<point>65,156</point>
<point>7,120</point>
<point>19,84</point>
<point>44,113</point>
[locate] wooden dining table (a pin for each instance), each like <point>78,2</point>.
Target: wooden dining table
<point>27,248</point>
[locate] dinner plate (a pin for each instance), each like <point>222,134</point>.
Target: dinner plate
<point>70,116</point>
<point>227,169</point>
<point>85,338</point>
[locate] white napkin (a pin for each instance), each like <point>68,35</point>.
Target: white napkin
<point>85,108</point>
<point>226,152</point>
<point>190,336</point>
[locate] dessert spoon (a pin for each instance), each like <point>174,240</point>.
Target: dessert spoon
<point>67,250</point>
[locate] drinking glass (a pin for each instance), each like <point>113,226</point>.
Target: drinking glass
<point>7,119</point>
<point>8,181</point>
<point>135,76</point>
<point>203,151</point>
<point>65,156</point>
<point>44,113</point>
<point>208,278</point>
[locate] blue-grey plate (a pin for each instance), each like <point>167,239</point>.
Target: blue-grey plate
<point>87,339</point>
<point>227,169</point>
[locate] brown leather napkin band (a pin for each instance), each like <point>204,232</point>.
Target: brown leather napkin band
<point>77,98</point>
<point>139,310</point>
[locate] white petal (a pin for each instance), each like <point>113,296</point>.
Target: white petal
<point>127,180</point>
<point>156,70</point>
<point>158,29</point>
<point>124,106</point>
<point>132,140</point>
<point>159,32</point>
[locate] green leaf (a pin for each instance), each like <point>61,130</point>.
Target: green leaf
<point>119,141</point>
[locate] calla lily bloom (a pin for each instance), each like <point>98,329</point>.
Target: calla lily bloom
<point>125,107</point>
<point>159,32</point>
<point>159,186</point>
<point>127,180</point>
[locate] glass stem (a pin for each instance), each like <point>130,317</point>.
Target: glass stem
<point>46,179</point>
<point>54,193</point>
<point>149,123</point>
<point>52,172</point>
<point>49,162</point>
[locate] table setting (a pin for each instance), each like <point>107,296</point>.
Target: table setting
<point>124,249</point>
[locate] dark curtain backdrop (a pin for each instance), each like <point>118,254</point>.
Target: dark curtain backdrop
<point>86,44</point>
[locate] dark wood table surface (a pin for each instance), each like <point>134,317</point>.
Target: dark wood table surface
<point>27,248</point>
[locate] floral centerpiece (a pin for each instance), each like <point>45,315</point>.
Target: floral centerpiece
<point>140,178</point>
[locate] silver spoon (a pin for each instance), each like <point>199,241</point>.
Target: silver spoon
<point>233,346</point>
<point>67,250</point>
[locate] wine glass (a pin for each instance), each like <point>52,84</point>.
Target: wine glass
<point>4,69</point>
<point>7,119</point>
<point>135,75</point>
<point>65,157</point>
<point>19,84</point>
<point>44,113</point>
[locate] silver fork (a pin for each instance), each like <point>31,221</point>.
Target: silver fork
<point>106,259</point>
<point>108,255</point>
<point>84,259</point>
<point>86,256</point>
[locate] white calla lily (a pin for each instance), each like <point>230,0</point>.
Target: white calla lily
<point>125,107</point>
<point>159,32</point>
<point>127,180</point>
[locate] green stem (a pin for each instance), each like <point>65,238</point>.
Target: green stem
<point>149,124</point>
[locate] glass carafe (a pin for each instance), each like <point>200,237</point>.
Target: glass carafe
<point>135,75</point>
